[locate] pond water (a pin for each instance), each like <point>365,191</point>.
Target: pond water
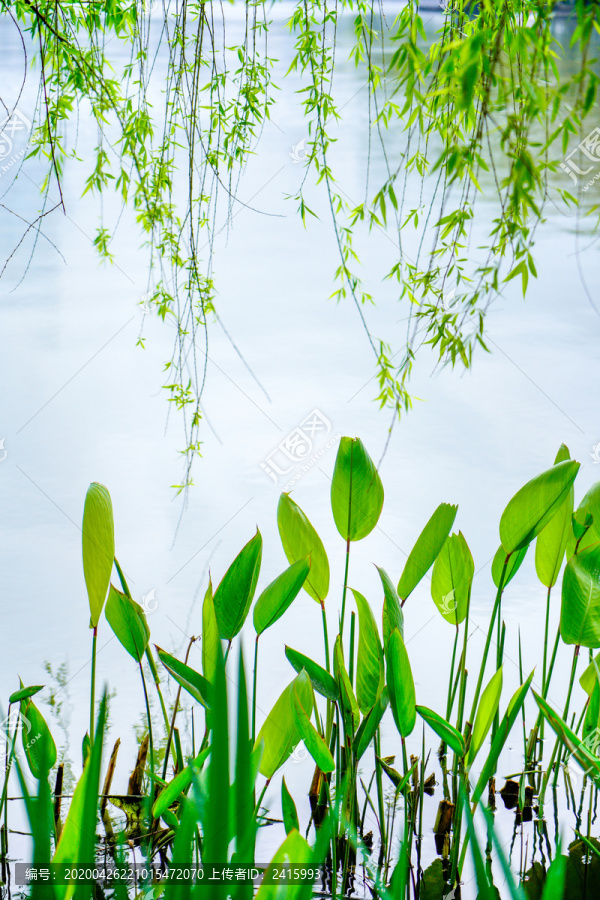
<point>81,403</point>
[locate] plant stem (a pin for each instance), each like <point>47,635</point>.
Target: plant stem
<point>488,640</point>
<point>345,587</point>
<point>325,635</point>
<point>254,689</point>
<point>93,684</point>
<point>149,721</point>
<point>351,660</point>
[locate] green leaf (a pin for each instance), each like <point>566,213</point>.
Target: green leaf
<point>588,516</point>
<point>400,684</point>
<point>216,822</point>
<point>370,671</point>
<point>580,607</point>
<point>279,595</point>
<point>512,567</point>
<point>443,729</point>
<point>313,741</point>
<point>392,615</point>
<point>294,851</point>
<point>552,540</point>
<point>299,540</point>
<point>589,677</point>
<point>321,680</point>
<point>399,781</point>
<point>127,620</point>
<point>288,807</point>
<point>356,491</point>
<point>584,756</point>
<point>488,706</point>
<point>501,736</point>
<point>191,681</point>
<point>98,547</point>
<point>426,549</point>
<point>370,724</point>
<point>38,743</point>
<point>452,579</point>
<point>77,841</point>
<point>172,792</point>
<point>280,732</point>
<point>350,711</point>
<point>533,506</point>
<point>234,595</point>
<point>211,642</point>
<point>25,692</point>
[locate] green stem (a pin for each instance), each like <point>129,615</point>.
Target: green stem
<point>93,685</point>
<point>380,798</point>
<point>254,689</point>
<point>149,723</point>
<point>351,660</point>
<point>488,640</point>
<point>325,635</point>
<point>345,584</point>
<point>451,679</point>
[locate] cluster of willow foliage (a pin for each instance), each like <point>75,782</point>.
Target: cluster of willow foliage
<point>192,801</point>
<point>483,93</point>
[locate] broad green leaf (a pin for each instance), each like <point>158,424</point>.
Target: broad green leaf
<point>589,677</point>
<point>592,714</point>
<point>443,729</point>
<point>98,547</point>
<point>235,593</point>
<point>217,824</point>
<point>172,792</point>
<point>349,704</point>
<point>400,684</point>
<point>356,491</point>
<point>370,671</point>
<point>280,732</point>
<point>580,607</point>
<point>425,551</point>
<point>294,851</point>
<point>191,681</point>
<point>321,680</point>
<point>211,642</point>
<point>488,706</point>
<point>77,842</point>
<point>552,540</point>
<point>452,578</point>
<point>583,755</point>
<point>25,692</point>
<point>589,531</point>
<point>178,785</point>
<point>392,615</point>
<point>313,741</point>
<point>299,540</point>
<point>506,723</point>
<point>38,743</point>
<point>127,620</point>
<point>279,595</point>
<point>370,724</point>
<point>399,781</point>
<point>533,506</point>
<point>512,567</point>
<point>288,807</point>
<point>245,778</point>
